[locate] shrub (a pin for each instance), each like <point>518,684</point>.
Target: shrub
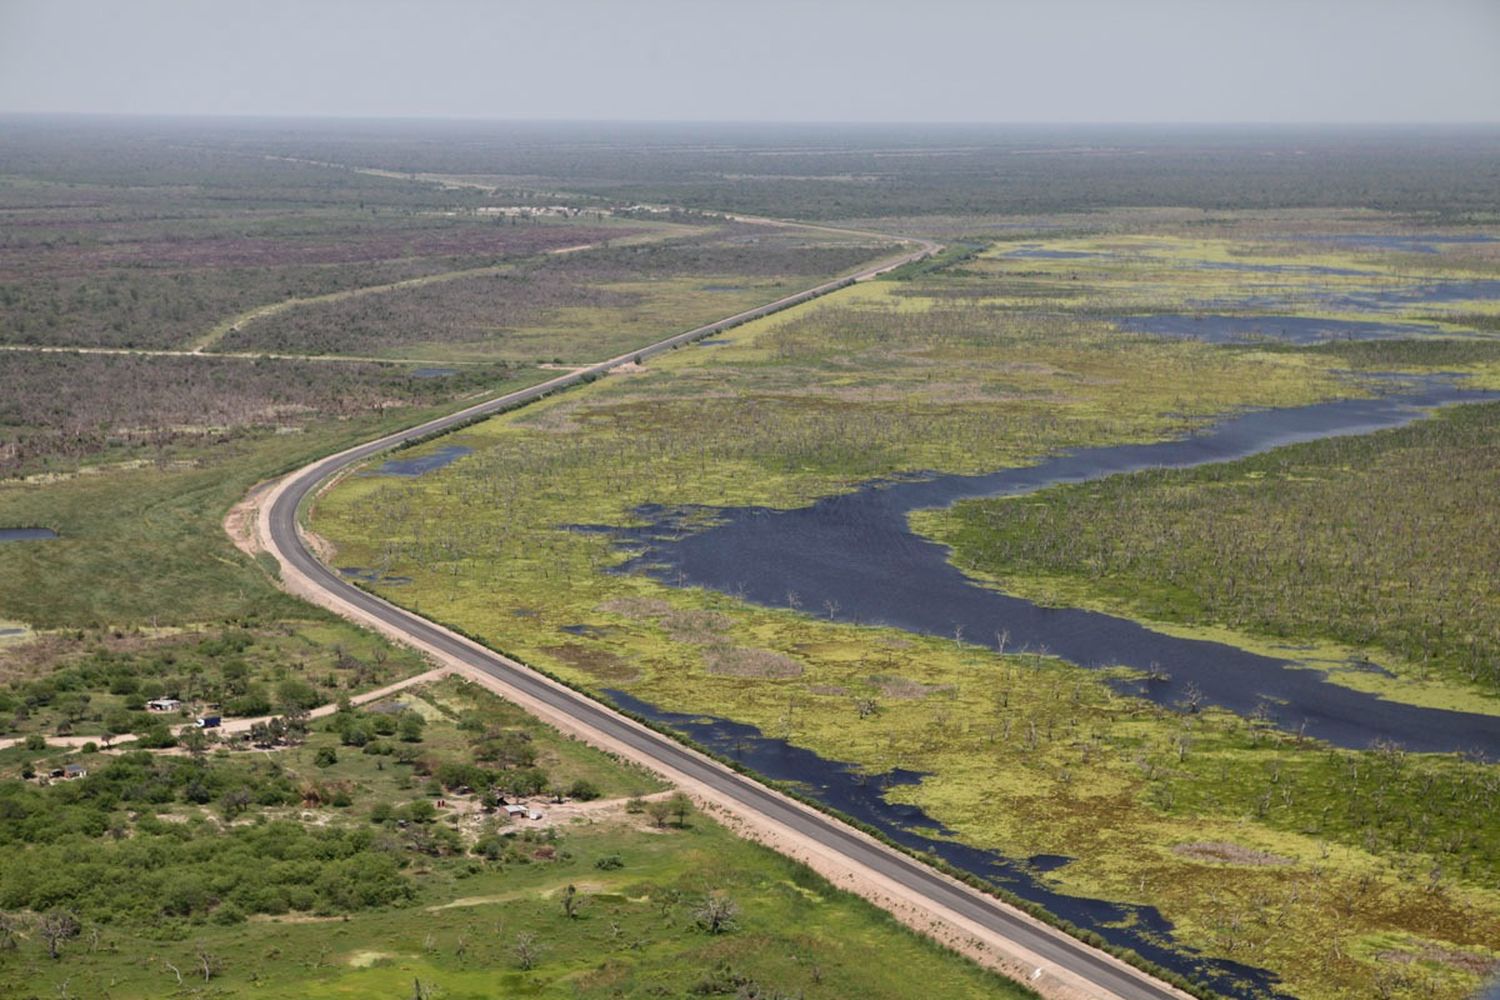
<point>583,791</point>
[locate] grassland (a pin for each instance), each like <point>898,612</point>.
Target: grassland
<point>359,856</point>
<point>574,307</point>
<point>336,867</point>
<point>1259,847</point>
<point>326,868</point>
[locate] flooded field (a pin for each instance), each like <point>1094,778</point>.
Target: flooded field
<point>856,556</point>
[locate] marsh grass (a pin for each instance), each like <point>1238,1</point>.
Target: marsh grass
<point>1023,754</point>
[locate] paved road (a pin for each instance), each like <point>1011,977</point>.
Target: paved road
<point>1106,974</point>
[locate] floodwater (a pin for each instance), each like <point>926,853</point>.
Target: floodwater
<point>1041,253</point>
<point>854,558</point>
<point>371,576</point>
<point>1482,290</point>
<point>1410,243</point>
<point>422,464</point>
<point>26,534</point>
<point>1218,329</point>
<point>844,788</point>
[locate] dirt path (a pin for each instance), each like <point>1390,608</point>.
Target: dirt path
<point>235,323</point>
<point>242,725</point>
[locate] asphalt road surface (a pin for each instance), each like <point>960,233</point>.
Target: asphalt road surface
<point>286,542</point>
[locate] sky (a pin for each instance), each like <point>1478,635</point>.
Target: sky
<point>760,60</point>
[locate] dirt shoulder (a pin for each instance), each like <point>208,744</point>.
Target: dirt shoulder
<point>950,928</point>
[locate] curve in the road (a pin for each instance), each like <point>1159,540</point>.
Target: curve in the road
<point>280,528</point>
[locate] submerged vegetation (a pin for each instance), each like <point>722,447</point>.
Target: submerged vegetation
<point>964,369</point>
<point>336,849</point>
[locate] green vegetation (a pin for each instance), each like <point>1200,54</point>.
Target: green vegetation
<point>1236,832</point>
<point>575,307</point>
<point>322,869</point>
<point>78,684</point>
<point>1382,541</point>
<point>68,410</point>
<point>367,852</point>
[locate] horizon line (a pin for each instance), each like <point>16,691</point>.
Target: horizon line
<point>784,122</point>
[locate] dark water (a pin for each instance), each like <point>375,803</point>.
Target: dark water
<point>1217,329</point>
<point>26,534</point>
<point>853,556</point>
<point>1415,243</point>
<point>586,631</point>
<point>862,796</point>
<point>1251,268</point>
<point>364,575</point>
<point>1044,254</point>
<point>1485,290</point>
<point>422,463</point>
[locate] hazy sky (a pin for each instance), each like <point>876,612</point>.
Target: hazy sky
<point>815,60</point>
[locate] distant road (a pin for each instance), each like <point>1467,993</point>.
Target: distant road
<point>1066,965</point>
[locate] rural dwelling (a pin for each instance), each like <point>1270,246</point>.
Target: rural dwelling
<point>163,705</point>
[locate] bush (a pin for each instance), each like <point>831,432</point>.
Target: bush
<point>411,727</point>
<point>609,862</point>
<point>583,791</point>
<point>327,757</point>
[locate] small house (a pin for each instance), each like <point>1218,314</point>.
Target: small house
<point>163,705</point>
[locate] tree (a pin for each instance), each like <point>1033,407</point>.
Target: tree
<point>570,901</point>
<point>293,694</point>
<point>680,805</point>
<point>659,812</point>
<point>717,914</point>
<point>411,727</point>
<point>210,965</point>
<point>55,927</point>
<point>526,950</point>
<point>583,790</point>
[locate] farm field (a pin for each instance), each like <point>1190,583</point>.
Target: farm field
<point>1285,865</point>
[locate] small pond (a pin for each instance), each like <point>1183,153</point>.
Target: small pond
<point>26,534</point>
